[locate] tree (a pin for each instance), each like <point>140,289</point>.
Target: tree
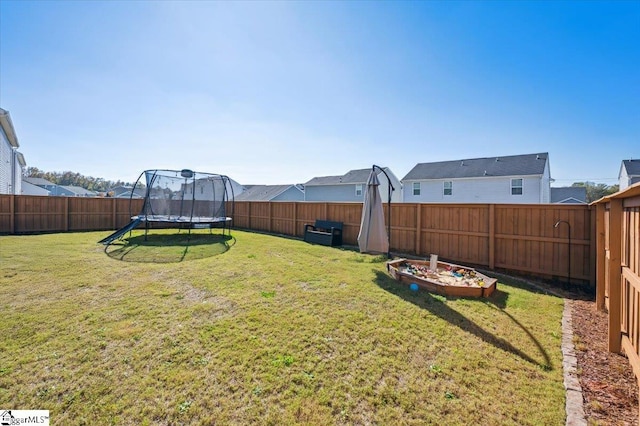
<point>69,178</point>
<point>595,191</point>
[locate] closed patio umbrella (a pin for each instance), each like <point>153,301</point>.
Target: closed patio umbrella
<point>373,235</point>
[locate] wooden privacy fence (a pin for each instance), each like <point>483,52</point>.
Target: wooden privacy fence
<point>28,213</point>
<point>618,270</point>
<point>519,238</point>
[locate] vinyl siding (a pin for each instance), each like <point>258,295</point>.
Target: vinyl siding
<point>291,194</point>
<point>476,190</point>
<point>6,164</point>
<point>624,179</point>
<point>337,193</point>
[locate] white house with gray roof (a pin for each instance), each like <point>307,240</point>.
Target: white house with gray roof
<point>629,173</point>
<point>514,179</point>
<point>351,187</point>
<point>271,193</point>
<point>12,163</point>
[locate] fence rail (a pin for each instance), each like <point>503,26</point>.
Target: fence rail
<point>518,238</point>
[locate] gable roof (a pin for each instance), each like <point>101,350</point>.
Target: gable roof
<point>78,190</point>
<point>567,193</point>
<point>512,165</point>
<point>7,127</point>
<point>21,159</point>
<point>351,177</point>
<point>38,181</point>
<point>632,167</point>
<point>263,192</point>
<point>31,189</point>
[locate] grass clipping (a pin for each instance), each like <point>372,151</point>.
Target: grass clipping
<point>270,331</point>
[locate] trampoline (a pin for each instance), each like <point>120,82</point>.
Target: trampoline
<point>180,199</point>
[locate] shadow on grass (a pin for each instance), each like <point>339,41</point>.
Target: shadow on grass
<point>169,248</point>
<point>437,305</point>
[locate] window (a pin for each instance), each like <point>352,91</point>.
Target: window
<point>448,188</point>
<point>416,188</point>
<point>359,190</point>
<point>516,186</point>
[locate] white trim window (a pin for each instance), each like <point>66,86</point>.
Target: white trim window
<point>517,187</point>
<point>416,188</point>
<point>447,188</point>
<point>359,188</point>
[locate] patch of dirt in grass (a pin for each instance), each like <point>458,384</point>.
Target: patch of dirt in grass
<point>609,388</point>
<point>215,308</point>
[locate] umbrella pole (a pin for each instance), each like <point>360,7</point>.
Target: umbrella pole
<point>390,188</point>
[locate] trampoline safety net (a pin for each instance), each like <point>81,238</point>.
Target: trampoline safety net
<point>184,196</point>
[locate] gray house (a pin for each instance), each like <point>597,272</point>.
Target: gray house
<point>31,189</point>
<point>125,192</point>
<point>271,193</point>
<point>629,173</point>
<point>350,187</point>
<point>569,195</point>
<point>12,164</point>
<point>514,179</point>
<point>53,188</point>
<point>79,191</point>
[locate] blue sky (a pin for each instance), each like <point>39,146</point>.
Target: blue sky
<point>281,92</point>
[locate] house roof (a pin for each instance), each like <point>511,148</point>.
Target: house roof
<point>568,193</point>
<point>35,188</point>
<point>262,192</point>
<point>7,126</point>
<point>78,190</point>
<point>38,181</point>
<point>632,167</point>
<point>351,177</point>
<point>21,159</point>
<point>512,165</point>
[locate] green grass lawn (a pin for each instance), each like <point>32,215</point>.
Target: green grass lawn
<point>262,330</point>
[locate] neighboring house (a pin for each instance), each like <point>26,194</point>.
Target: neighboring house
<point>31,189</point>
<point>629,173</point>
<point>42,183</point>
<point>79,191</point>
<point>271,193</point>
<point>12,164</point>
<point>119,190</point>
<point>514,179</point>
<point>125,192</point>
<point>351,187</point>
<point>136,194</point>
<point>53,188</point>
<point>569,195</point>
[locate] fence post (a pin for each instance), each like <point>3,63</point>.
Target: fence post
<point>592,245</point>
<point>492,236</point>
<point>600,256</point>
<point>418,227</point>
<point>114,214</point>
<point>12,213</point>
<point>67,216</point>
<point>295,218</point>
<point>615,275</point>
